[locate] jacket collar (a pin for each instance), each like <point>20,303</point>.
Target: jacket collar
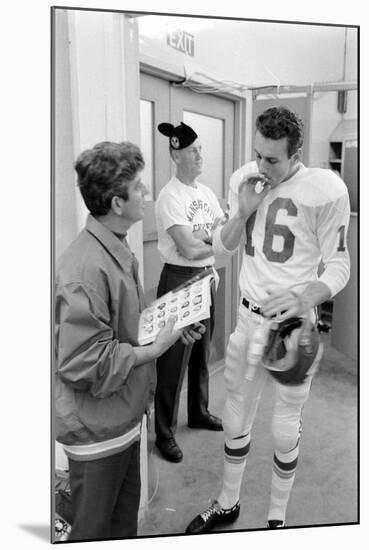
<point>120,250</point>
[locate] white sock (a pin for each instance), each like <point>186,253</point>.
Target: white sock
<point>235,457</point>
<point>283,476</point>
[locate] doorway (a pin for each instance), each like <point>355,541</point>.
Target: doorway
<point>213,118</point>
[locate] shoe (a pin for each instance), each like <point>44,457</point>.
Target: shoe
<point>212,516</point>
<point>324,326</point>
<point>169,450</point>
<point>275,524</point>
<point>209,422</point>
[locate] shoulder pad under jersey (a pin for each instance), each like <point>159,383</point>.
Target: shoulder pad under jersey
<point>320,186</point>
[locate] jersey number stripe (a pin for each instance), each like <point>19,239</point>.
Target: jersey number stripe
<point>271,229</point>
<point>341,244</point>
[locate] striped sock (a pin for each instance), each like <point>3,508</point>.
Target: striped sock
<point>283,476</point>
<point>235,458</point>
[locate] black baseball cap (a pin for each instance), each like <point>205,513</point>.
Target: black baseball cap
<point>180,136</point>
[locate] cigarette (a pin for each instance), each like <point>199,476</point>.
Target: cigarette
<point>259,186</point>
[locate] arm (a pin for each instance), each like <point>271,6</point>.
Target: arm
<point>170,213</point>
<point>294,304</point>
<point>314,294</point>
<point>227,237</point>
<point>188,245</point>
<point>89,358</point>
<point>165,339</point>
<point>332,225</point>
<point>204,235</point>
<point>231,232</point>
<point>333,222</point>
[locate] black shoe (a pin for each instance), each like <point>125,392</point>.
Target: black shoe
<point>169,450</point>
<point>212,516</point>
<point>324,326</point>
<point>208,422</point>
<point>275,524</point>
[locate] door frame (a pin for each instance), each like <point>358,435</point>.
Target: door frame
<point>239,100</point>
<point>241,138</point>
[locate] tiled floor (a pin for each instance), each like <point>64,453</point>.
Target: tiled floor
<point>325,490</point>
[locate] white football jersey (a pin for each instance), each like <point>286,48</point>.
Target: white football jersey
<point>299,228</point>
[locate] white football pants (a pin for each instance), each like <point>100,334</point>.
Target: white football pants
<point>243,395</point>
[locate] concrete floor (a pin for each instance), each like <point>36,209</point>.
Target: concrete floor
<point>325,490</point>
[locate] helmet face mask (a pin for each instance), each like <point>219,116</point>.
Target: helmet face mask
<point>292,351</point>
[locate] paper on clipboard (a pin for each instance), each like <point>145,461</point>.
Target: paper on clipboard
<point>189,303</point>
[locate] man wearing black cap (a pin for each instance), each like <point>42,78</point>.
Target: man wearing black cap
<point>186,212</point>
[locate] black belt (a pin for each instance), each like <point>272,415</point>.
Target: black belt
<point>186,268</point>
<point>253,308</point>
<point>256,309</point>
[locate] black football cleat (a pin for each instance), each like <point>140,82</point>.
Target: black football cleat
<point>324,326</point>
<point>275,524</point>
<point>212,516</point>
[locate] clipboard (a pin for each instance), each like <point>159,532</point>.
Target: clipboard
<point>188,303</point>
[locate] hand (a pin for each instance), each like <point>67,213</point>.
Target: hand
<point>221,220</point>
<point>202,235</point>
<point>248,199</point>
<point>166,337</point>
<point>284,304</point>
<point>192,333</point>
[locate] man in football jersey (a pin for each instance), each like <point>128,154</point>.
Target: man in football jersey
<point>301,221</point>
<point>186,211</point>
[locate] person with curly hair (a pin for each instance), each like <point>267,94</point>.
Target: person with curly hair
<point>104,380</point>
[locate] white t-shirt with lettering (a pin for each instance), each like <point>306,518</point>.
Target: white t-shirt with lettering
<point>180,204</point>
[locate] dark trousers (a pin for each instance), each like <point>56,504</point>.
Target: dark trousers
<point>106,495</point>
<point>171,366</point>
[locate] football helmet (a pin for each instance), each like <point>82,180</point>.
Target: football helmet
<point>292,350</point>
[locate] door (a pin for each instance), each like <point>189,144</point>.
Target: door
<point>213,119</point>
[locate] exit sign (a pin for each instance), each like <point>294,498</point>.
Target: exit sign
<point>181,40</point>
